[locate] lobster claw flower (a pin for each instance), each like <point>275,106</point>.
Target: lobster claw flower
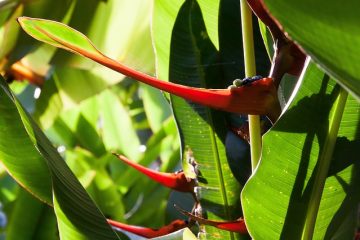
<point>175,181</point>
<point>260,97</point>
<point>150,232</point>
<point>232,226</point>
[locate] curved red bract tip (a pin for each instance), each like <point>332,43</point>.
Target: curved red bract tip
<point>238,226</point>
<point>150,232</point>
<point>235,226</point>
<point>176,181</point>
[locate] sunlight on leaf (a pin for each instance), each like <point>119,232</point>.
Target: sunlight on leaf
<point>289,166</point>
<point>330,36</point>
<point>47,177</point>
<point>39,28</point>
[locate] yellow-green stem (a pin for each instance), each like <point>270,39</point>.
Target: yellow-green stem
<point>250,70</point>
<point>3,63</point>
<point>323,165</point>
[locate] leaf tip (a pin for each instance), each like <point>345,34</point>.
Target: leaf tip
<point>26,23</point>
<point>21,20</point>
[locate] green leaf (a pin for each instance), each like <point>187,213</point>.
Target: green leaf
<point>8,29</point>
<point>77,215</point>
<point>16,146</point>
<point>101,21</point>
<point>41,9</point>
<point>40,28</point>
<point>67,89</point>
<point>187,234</point>
<point>163,21</point>
<point>231,46</point>
<point>91,172</point>
<point>8,188</point>
<point>83,164</point>
<point>26,215</point>
<point>210,12</point>
<point>47,225</point>
<point>145,213</point>
<point>267,38</point>
<point>193,59</point>
<point>118,130</point>
<point>183,234</point>
<point>108,196</point>
<point>330,35</point>
<point>79,126</point>
<point>155,105</point>
<point>277,197</point>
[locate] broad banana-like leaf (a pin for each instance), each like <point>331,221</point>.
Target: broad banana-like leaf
<point>193,62</point>
<point>36,165</point>
<point>327,31</point>
<point>278,198</point>
<point>183,234</point>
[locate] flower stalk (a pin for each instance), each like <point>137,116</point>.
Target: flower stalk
<point>323,165</point>
<point>250,70</point>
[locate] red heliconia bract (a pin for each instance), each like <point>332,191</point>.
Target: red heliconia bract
<point>232,226</point>
<point>150,232</point>
<point>258,98</point>
<point>175,181</point>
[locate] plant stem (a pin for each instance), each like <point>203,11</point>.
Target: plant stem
<point>250,70</point>
<point>3,63</point>
<point>323,165</point>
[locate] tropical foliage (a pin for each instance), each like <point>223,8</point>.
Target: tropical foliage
<point>123,141</point>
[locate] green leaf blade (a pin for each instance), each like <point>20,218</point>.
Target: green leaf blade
<point>330,36</point>
<point>26,215</point>
<point>17,151</point>
<point>50,32</point>
<point>289,166</point>
<point>77,215</point>
<point>114,116</point>
<point>193,62</point>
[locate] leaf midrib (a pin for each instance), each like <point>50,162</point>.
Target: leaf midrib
<point>200,71</point>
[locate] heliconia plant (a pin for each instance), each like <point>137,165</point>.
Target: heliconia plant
<point>263,157</point>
